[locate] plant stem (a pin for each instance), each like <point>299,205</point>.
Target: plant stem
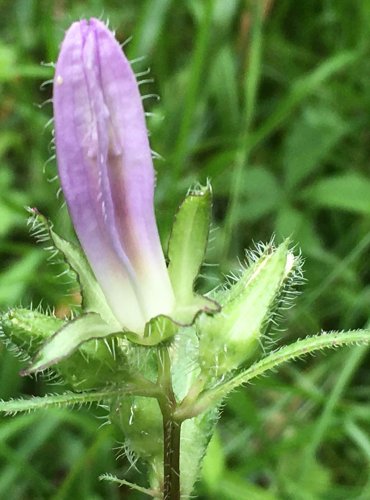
<point>171,429</point>
<point>171,458</point>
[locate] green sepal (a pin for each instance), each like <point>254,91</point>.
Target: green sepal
<point>188,242</point>
<point>93,365</point>
<point>93,299</point>
<point>67,339</point>
<point>233,336</point>
<point>163,328</point>
<point>186,251</point>
<point>24,331</point>
<point>185,315</point>
<point>159,329</point>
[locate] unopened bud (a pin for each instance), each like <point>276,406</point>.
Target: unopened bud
<point>230,337</point>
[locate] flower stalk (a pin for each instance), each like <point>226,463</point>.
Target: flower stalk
<point>171,428</point>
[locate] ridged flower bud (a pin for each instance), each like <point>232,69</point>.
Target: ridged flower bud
<point>232,336</point>
<point>107,175</point>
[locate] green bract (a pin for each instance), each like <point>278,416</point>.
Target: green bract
<point>232,336</point>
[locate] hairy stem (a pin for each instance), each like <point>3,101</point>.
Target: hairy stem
<point>171,429</point>
<point>171,458</point>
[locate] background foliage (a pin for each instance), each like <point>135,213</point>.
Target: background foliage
<point>270,100</point>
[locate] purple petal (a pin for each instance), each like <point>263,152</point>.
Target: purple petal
<point>107,174</point>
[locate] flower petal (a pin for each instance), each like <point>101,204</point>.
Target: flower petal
<point>107,173</point>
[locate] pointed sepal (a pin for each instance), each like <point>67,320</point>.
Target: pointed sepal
<point>186,251</point>
<point>159,329</point>
<point>24,331</point>
<point>67,339</point>
<point>93,299</point>
<point>92,365</point>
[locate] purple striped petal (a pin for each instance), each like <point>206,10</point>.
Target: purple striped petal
<point>107,174</point>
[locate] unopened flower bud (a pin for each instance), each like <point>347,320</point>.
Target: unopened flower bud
<point>230,337</point>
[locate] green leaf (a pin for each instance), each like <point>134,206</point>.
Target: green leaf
<point>300,90</point>
<point>66,340</point>
<point>68,399</point>
<point>214,464</point>
<point>148,27</point>
<point>140,421</point>
<point>17,277</point>
<point>224,13</point>
<point>184,353</point>
<point>11,69</point>
<point>295,479</point>
<point>293,223</point>
<point>309,345</point>
<point>223,88</point>
<point>233,486</point>
<point>311,138</point>
<point>7,62</point>
<point>187,247</point>
<point>93,299</point>
<point>349,192</point>
<point>260,194</point>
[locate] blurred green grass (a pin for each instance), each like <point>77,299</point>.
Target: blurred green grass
<point>270,100</point>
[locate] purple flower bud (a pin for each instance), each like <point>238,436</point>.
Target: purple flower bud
<point>107,174</point>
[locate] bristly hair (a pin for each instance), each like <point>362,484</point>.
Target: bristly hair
<point>13,348</point>
<point>284,301</point>
<point>40,229</point>
<point>285,297</point>
<point>21,351</point>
